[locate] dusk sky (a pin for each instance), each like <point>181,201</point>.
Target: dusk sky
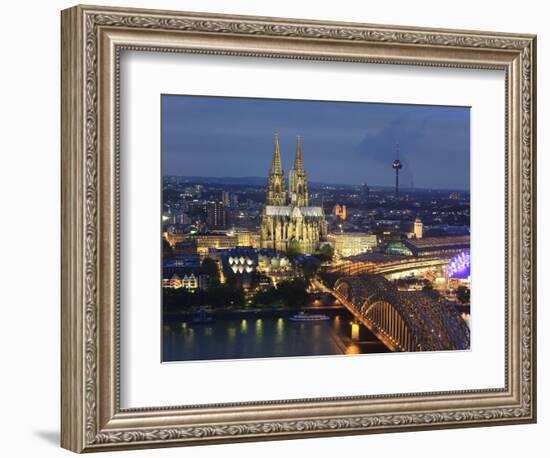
<point>342,142</point>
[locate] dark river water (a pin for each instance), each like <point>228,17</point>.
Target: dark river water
<point>265,336</point>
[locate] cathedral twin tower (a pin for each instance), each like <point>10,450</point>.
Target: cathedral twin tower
<point>287,219</point>
<point>276,189</point>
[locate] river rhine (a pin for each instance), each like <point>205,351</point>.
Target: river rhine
<point>265,335</point>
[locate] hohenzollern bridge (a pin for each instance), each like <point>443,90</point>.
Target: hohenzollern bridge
<point>403,320</point>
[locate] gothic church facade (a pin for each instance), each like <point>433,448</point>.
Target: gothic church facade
<point>287,218</point>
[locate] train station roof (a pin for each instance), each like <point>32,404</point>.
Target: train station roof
<point>431,244</point>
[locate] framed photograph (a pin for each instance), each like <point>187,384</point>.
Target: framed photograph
<point>278,228</point>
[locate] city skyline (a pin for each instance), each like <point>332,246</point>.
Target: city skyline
<point>213,137</point>
<point>272,246</point>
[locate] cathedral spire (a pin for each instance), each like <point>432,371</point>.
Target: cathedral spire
<point>298,179</point>
<point>276,166</point>
<point>276,194</point>
<point>298,162</point>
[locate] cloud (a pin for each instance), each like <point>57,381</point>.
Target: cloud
<point>428,141</point>
<point>342,142</point>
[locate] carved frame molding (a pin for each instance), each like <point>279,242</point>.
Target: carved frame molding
<point>92,39</point>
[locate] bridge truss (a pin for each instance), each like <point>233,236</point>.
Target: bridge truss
<point>403,320</point>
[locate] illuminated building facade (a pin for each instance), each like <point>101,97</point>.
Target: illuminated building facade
<point>216,214</point>
<point>176,234</point>
<point>386,264</point>
<point>249,268</point>
<point>352,243</point>
<point>340,212</point>
<point>246,237</point>
<point>187,281</point>
<point>418,228</point>
<point>287,218</point>
<point>207,241</point>
<point>417,256</point>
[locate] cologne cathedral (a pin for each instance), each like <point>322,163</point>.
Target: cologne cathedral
<point>287,217</point>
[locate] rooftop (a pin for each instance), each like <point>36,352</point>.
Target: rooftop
<point>287,210</point>
<point>376,257</point>
<point>351,234</point>
<point>438,242</point>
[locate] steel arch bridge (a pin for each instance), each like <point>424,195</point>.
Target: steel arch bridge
<point>403,320</point>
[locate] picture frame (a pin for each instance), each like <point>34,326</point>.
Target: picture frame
<point>93,39</point>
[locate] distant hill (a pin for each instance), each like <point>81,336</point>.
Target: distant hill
<point>255,181</point>
<point>251,181</point>
<point>262,181</point>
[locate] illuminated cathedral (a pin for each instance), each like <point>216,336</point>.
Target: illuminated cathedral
<point>287,218</point>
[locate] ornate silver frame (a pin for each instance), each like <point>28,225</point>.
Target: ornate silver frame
<point>92,38</point>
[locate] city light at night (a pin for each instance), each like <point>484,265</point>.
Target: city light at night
<point>459,266</point>
<point>281,237</point>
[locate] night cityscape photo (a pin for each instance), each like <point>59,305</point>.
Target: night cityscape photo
<point>310,228</point>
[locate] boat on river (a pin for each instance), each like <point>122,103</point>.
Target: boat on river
<point>202,316</point>
<point>302,316</point>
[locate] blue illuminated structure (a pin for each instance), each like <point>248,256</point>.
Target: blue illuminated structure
<point>459,265</point>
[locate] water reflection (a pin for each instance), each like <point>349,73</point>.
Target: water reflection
<point>355,331</point>
<point>259,330</point>
<point>337,322</point>
<point>353,349</point>
<point>280,329</point>
<point>273,336</point>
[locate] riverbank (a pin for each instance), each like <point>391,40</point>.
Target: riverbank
<point>265,333</point>
<point>332,310</point>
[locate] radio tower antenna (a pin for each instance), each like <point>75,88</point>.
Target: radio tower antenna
<point>396,165</point>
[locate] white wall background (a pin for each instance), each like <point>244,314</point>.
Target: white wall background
<point>29,228</point>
